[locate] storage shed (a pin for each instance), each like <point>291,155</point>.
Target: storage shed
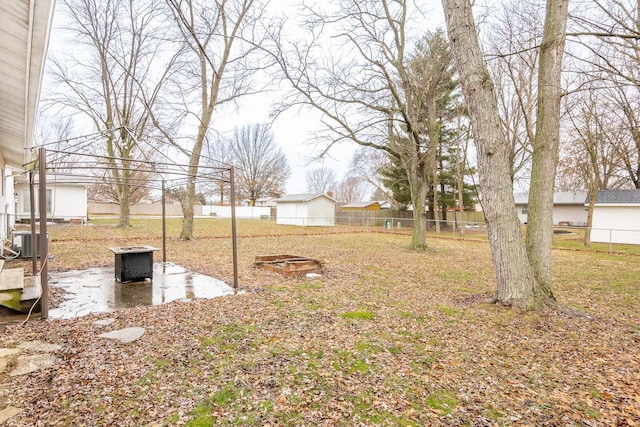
<point>310,209</point>
<point>616,217</point>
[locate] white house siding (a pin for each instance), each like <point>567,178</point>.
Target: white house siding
<point>568,206</point>
<point>5,206</point>
<point>67,202</point>
<point>292,214</point>
<point>312,209</point>
<point>321,212</point>
<point>522,213</point>
<point>574,215</point>
<point>616,224</point>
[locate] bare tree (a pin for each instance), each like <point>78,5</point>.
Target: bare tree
<point>217,155</point>
<point>220,36</point>
<point>261,166</point>
<point>626,105</point>
<point>523,273</point>
<point>546,145</point>
<point>590,159</point>
<point>113,76</point>
<point>365,88</point>
<point>512,46</point>
<point>321,180</point>
<point>351,189</point>
<point>367,163</point>
<point>610,31</point>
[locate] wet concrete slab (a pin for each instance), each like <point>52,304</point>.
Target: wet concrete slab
<point>97,291</point>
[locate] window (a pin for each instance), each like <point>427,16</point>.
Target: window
<point>26,201</point>
<point>525,209</point>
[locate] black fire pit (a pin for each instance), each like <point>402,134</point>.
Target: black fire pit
<point>134,263</point>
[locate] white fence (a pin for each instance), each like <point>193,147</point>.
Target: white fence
<point>251,212</point>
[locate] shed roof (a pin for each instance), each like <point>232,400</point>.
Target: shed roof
<point>56,179</point>
<point>559,198</point>
<point>302,198</point>
<point>618,197</point>
<point>360,205</point>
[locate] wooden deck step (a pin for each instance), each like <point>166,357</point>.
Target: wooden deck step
<point>11,285</point>
<point>12,278</point>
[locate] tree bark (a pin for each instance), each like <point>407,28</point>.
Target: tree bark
<point>516,285</point>
<point>419,190</point>
<point>546,144</point>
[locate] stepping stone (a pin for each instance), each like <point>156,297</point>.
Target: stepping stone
<point>4,352</point>
<point>104,322</point>
<point>125,336</point>
<point>8,412</point>
<point>5,356</point>
<point>41,346</point>
<point>28,364</point>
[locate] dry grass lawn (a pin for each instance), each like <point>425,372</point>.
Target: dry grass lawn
<point>388,336</point>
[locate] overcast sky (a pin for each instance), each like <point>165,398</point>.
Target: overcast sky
<point>293,130</point>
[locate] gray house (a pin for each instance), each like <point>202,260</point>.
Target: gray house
<point>568,208</point>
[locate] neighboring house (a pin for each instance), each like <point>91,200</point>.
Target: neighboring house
<point>616,217</point>
<point>266,202</point>
<point>66,199</point>
<point>568,208</point>
<point>24,34</point>
<point>362,206</point>
<point>312,209</point>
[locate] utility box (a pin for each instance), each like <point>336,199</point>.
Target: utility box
<point>133,263</point>
<point>22,242</point>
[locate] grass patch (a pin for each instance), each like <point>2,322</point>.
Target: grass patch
<point>202,414</point>
<point>358,315</point>
<point>493,414</point>
<point>449,311</point>
<point>230,337</point>
<point>442,402</point>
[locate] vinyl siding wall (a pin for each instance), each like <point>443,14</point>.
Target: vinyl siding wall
<point>317,212</point>
<point>616,224</point>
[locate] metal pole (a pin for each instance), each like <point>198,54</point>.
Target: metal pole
<point>164,230</point>
<point>44,249</point>
<point>610,241</point>
<point>32,201</point>
<point>233,230</point>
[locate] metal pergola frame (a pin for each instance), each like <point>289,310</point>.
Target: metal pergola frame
<point>160,169</point>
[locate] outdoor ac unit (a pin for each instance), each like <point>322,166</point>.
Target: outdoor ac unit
<point>23,243</point>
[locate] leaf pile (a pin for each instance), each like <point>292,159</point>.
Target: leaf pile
<point>388,336</point>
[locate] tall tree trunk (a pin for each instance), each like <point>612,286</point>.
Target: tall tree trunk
<point>125,207</point>
<point>419,189</point>
<point>546,144</point>
<point>434,144</point>
<point>515,279</point>
<point>461,158</point>
<point>190,193</point>
<point>593,196</point>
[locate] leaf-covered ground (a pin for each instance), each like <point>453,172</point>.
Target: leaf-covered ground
<point>388,336</point>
